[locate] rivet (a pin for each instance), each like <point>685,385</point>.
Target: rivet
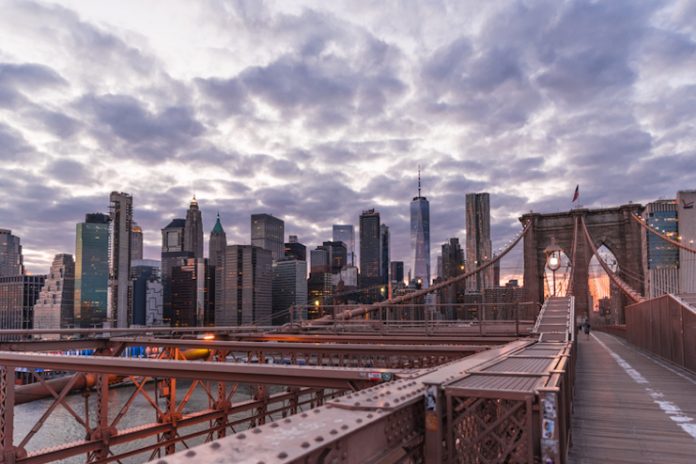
<point>282,455</point>
<point>319,439</point>
<point>359,421</point>
<point>190,453</point>
<point>305,444</point>
<point>274,425</point>
<point>304,414</point>
<point>333,432</point>
<point>161,461</point>
<point>256,430</point>
<point>344,427</point>
<point>213,445</point>
<point>287,420</point>
<point>369,416</point>
<point>241,436</point>
<point>317,411</point>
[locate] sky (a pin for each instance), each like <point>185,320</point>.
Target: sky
<point>314,111</point>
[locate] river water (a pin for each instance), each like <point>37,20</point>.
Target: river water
<point>61,427</point>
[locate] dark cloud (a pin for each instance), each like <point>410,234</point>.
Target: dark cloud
<point>316,114</point>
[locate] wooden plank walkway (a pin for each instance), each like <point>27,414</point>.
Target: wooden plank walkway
<point>630,408</point>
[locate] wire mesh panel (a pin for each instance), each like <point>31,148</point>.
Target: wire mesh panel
<point>490,430</point>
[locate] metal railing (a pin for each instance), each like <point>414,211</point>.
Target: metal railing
<point>479,318</point>
<point>665,326</point>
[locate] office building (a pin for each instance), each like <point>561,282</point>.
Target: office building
<point>192,294</point>
<point>136,242</point>
<point>18,294</point>
<point>247,286</point>
<point>268,232</point>
<point>384,253</point>
<point>11,261</point>
<point>295,250</point>
<point>54,308</point>
<point>337,255</point>
<point>660,258</point>
<point>686,199</point>
<point>147,293</point>
<point>420,237</point>
<point>217,242</point>
<point>479,249</point>
<point>452,259</point>
<point>346,233</point>
<point>173,254</point>
<point>319,260</point>
<point>193,230</point>
<point>119,312</point>
<point>289,290</point>
<point>370,249</point>
<point>397,271</point>
<point>91,271</point>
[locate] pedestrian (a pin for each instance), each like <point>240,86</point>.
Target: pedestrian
<point>586,327</point>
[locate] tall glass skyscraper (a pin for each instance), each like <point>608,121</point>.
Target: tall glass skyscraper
<point>193,231</point>
<point>420,237</point>
<point>10,254</point>
<point>91,270</point>
<point>120,230</point>
<point>370,252</point>
<point>479,248</point>
<point>268,232</point>
<point>346,233</point>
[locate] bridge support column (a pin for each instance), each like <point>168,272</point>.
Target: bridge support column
<point>433,447</point>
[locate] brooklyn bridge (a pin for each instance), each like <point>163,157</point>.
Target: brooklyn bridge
<point>402,380</point>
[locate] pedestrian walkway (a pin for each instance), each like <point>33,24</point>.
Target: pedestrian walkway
<point>630,407</point>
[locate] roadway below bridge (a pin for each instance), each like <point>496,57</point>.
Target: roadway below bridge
<point>630,406</point>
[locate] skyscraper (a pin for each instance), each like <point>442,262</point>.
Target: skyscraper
<point>660,258</point>
<point>370,249</point>
<point>217,242</point>
<point>289,289</point>
<point>384,253</point>
<point>216,256</point>
<point>247,286</point>
<point>121,223</point>
<point>479,248</point>
<point>346,233</point>
<point>397,271</point>
<point>136,242</point>
<point>337,255</point>
<point>147,293</point>
<point>420,237</point>
<point>452,259</point>
<point>91,270</point>
<point>11,263</point>
<point>18,294</point>
<point>268,232</point>
<point>173,254</point>
<point>192,294</point>
<point>55,305</point>
<point>193,230</point>
<point>295,250</point>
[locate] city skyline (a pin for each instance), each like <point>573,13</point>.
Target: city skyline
<point>481,105</point>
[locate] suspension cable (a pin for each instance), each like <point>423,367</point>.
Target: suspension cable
<point>667,239</point>
<point>623,286</point>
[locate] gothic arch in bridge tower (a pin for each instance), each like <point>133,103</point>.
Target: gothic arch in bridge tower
<point>612,227</point>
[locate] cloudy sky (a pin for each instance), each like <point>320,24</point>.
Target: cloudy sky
<point>313,111</point>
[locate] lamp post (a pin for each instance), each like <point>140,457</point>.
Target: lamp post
<point>553,260</point>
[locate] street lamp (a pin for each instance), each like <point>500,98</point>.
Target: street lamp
<point>553,260</point>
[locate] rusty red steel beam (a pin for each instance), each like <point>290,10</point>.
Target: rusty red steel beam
<point>303,376</point>
<point>383,339</point>
<point>140,432</point>
<point>288,340</point>
<point>379,424</point>
<point>140,330</point>
<point>279,347</point>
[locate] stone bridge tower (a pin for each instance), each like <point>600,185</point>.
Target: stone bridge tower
<point>612,227</point>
